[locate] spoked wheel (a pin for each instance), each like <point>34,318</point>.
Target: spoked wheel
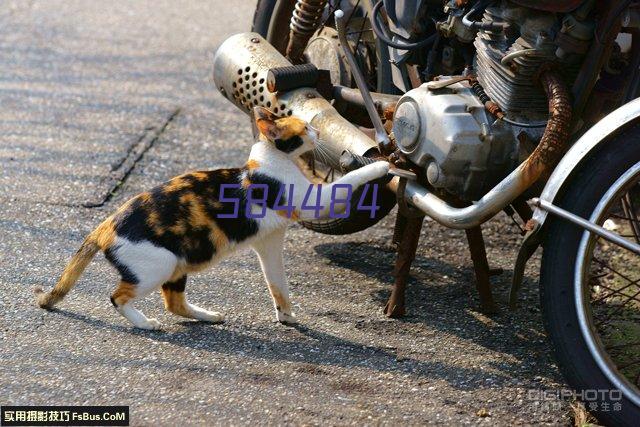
<point>590,288</point>
<point>271,20</point>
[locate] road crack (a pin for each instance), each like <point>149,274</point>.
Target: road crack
<point>123,168</point>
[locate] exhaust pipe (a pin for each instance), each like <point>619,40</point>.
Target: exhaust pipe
<point>240,69</point>
<point>240,72</point>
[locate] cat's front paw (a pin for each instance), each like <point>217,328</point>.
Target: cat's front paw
<point>149,324</point>
<point>287,319</point>
<point>210,316</point>
<point>377,169</point>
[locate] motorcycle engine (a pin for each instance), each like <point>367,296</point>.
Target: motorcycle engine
<point>447,130</point>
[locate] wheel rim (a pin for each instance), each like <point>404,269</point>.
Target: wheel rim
<point>607,299</point>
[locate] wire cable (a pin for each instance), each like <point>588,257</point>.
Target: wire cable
<point>524,125</point>
<point>377,29</point>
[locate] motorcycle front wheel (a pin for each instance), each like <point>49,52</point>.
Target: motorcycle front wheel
<point>590,288</point>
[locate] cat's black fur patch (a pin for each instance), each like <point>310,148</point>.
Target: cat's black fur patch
<point>197,246</point>
<point>289,145</point>
<point>274,187</point>
<point>126,274</point>
<point>238,227</point>
<point>176,286</point>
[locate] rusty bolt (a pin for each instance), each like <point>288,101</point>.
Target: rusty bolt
<point>530,225</point>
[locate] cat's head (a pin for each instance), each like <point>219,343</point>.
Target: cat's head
<point>290,135</point>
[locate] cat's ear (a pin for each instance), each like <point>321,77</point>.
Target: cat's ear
<point>261,113</point>
<point>266,123</point>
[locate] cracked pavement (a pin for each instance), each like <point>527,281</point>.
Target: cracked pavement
<point>95,92</point>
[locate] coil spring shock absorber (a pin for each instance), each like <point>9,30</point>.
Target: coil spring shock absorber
<point>304,22</point>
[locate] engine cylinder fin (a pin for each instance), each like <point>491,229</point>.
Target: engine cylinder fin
<point>512,84</point>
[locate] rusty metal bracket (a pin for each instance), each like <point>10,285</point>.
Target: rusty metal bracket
<point>527,249</point>
<point>406,236</point>
<point>481,269</point>
<point>403,206</point>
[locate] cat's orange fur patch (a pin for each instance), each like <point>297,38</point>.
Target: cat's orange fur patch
<point>124,293</point>
<point>175,302</point>
<point>153,221</point>
<point>176,184</point>
<point>284,214</point>
<point>252,164</point>
<point>282,304</point>
<point>105,234</point>
<point>220,240</point>
<point>291,126</point>
<point>179,228</point>
<point>200,176</point>
<point>197,215</point>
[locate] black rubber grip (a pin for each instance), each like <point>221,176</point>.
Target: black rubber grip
<point>283,79</point>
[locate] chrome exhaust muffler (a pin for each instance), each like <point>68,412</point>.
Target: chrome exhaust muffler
<point>240,70</point>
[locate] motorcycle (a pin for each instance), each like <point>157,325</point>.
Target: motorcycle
<point>482,106</point>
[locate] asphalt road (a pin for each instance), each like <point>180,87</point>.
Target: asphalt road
<point>92,93</point>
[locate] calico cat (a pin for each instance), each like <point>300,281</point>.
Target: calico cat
<point>180,227</point>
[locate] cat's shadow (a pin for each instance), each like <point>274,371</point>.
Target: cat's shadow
<point>449,309</point>
<point>302,344</point>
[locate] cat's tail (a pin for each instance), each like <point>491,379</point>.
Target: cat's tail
<point>91,245</point>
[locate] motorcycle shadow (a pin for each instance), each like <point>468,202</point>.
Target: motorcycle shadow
<point>442,296</point>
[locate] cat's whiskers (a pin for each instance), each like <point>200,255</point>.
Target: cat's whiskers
<point>321,152</point>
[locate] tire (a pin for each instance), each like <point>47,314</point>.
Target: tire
<point>271,20</point>
<point>561,245</point>
<point>262,17</point>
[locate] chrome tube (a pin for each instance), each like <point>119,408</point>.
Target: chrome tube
<point>592,227</point>
<point>463,218</point>
<point>381,134</point>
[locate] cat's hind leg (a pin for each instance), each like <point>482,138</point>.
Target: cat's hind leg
<point>176,302</point>
<point>270,251</point>
<point>143,267</point>
<point>122,299</point>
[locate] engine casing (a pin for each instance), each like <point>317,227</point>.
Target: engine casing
<point>449,132</point>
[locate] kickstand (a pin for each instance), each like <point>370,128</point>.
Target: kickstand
<point>481,268</point>
<point>406,236</point>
